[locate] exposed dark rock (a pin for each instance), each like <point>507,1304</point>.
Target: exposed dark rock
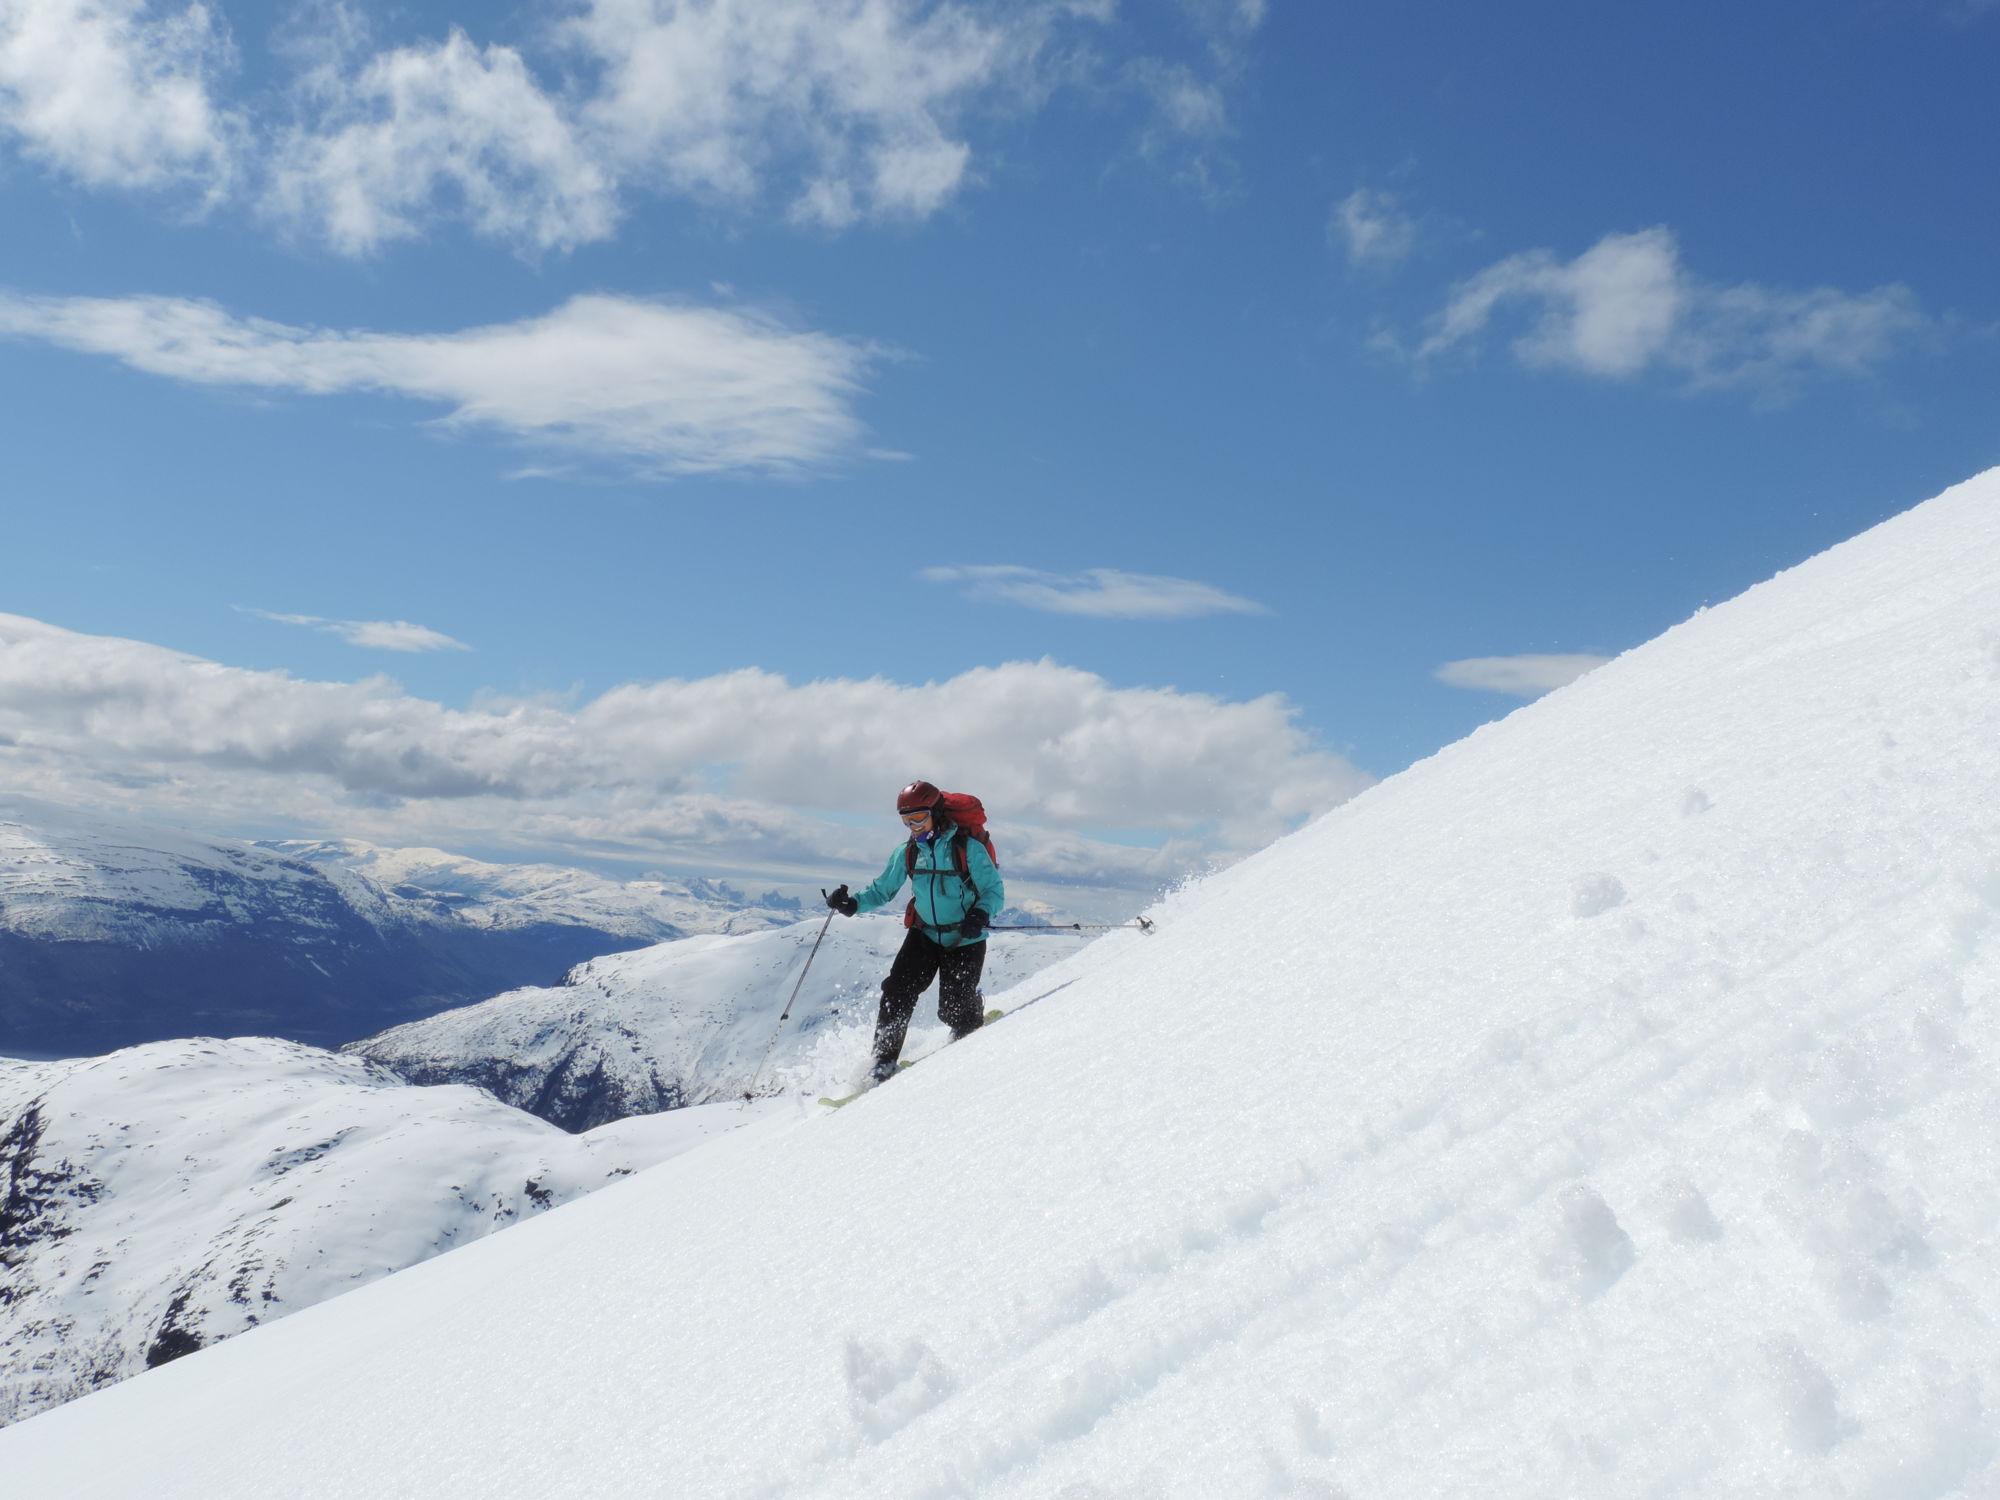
<point>172,1340</point>
<point>37,1193</point>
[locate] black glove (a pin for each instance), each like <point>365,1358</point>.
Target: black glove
<point>974,924</point>
<point>841,902</point>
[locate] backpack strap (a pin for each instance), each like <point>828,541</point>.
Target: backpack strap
<point>958,858</point>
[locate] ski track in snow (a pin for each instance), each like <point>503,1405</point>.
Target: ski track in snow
<point>1604,1107</point>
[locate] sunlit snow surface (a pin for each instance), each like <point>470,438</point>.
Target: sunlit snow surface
<point>1605,1106</point>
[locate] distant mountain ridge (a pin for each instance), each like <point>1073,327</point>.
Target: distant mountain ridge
<point>113,935</point>
<point>501,897</point>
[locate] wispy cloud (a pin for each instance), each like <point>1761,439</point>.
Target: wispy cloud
<point>1627,305</point>
<point>1185,105</point>
<point>97,719</point>
<point>1522,676</point>
<point>666,388</point>
<point>1104,593</point>
<point>1188,117</point>
<point>1374,228</point>
<point>117,93</point>
<point>376,635</point>
<point>1227,22</point>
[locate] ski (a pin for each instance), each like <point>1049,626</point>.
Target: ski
<point>991,1017</point>
<point>850,1098</point>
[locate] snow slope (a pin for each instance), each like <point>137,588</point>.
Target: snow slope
<point>1604,1107</point>
<point>686,1022</point>
<point>167,1196</point>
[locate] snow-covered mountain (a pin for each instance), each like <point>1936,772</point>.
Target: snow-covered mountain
<point>521,896</point>
<point>168,1196</point>
<point>686,1022</point>
<point>1603,1107</point>
<point>113,934</point>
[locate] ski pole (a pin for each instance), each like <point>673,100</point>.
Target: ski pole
<point>752,1089</point>
<point>1138,922</point>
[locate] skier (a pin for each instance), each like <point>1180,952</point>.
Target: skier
<point>956,889</point>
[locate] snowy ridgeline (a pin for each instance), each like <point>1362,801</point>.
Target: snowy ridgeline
<point>1602,1107</point>
<point>481,894</point>
<point>684,1023</point>
<point>174,1194</point>
<point>112,934</point>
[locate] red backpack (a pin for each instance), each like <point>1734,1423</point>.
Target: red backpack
<point>967,813</point>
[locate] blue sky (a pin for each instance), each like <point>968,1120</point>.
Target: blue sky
<point>1259,349</point>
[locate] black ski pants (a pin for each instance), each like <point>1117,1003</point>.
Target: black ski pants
<point>921,960</point>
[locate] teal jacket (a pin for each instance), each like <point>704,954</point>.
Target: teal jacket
<point>942,896</point>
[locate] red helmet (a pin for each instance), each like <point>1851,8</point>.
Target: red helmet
<point>916,795</point>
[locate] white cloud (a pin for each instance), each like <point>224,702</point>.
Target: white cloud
<point>1611,311</point>
<point>451,120</point>
<point>1104,593</point>
<point>1522,676</point>
<point>116,93</point>
<point>376,635</point>
<point>394,635</point>
<point>109,722</point>
<point>1627,305</point>
<point>1374,229</point>
<point>666,388</point>
<point>843,110</point>
<point>834,112</point>
<point>855,100</point>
